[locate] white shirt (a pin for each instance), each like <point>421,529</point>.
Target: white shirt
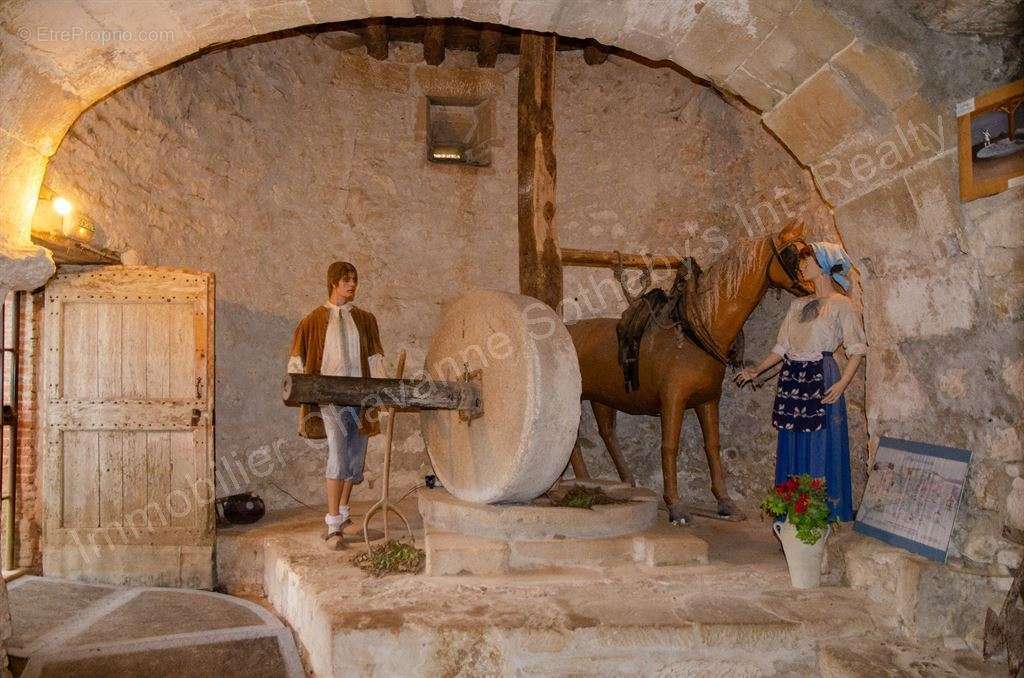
<point>341,360</point>
<point>335,361</point>
<point>837,322</point>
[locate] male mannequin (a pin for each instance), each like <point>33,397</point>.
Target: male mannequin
<point>339,339</point>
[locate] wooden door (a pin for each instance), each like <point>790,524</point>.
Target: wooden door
<point>128,464</point>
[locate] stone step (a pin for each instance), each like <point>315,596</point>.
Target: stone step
<point>861,657</point>
<point>706,618</point>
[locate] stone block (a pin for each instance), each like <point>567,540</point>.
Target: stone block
<point>455,554</point>
<point>927,129</point>
<point>38,111</point>
<point>594,553</point>
<point>758,94</point>
<point>356,70</point>
<point>23,173</point>
<point>531,15</point>
<point>654,29</point>
<point>935,190</point>
<point>268,16</point>
<point>820,114</point>
<point>662,546</point>
<point>1015,505</point>
<point>725,33</point>
<point>798,47</point>
<point>882,225</point>
<point>395,8</point>
<point>216,22</point>
<point>731,621</point>
<point>602,20</point>
<point>141,566</point>
<point>932,304</point>
<point>871,157</point>
<point>324,11</point>
<point>997,219</point>
<point>483,11</point>
<point>885,74</point>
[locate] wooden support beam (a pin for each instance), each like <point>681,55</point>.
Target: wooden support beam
<point>594,53</point>
<point>376,38</point>
<point>490,45</point>
<point>540,264</point>
<point>433,43</point>
<point>603,259</point>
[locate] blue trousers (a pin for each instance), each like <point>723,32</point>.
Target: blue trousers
<point>346,447</point>
<point>823,453</point>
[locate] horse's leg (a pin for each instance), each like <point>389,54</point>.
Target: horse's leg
<point>671,429</point>
<point>579,467</point>
<point>707,414</point>
<point>605,417</point>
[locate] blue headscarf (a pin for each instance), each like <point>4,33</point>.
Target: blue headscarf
<point>834,260</point>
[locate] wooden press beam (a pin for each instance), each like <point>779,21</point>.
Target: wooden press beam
<point>603,259</point>
<point>433,42</point>
<point>376,38</point>
<point>490,44</point>
<point>412,394</point>
<point>540,264</point>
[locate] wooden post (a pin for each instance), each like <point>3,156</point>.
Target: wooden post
<point>433,43</point>
<point>490,42</point>
<point>376,37</point>
<point>540,264</point>
<point>605,259</point>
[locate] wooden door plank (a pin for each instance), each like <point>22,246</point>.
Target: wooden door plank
<point>80,486</point>
<point>134,462</point>
<point>158,476</point>
<point>133,356</point>
<point>182,455</point>
<point>109,341</point>
<point>181,353</point>
<point>111,473</point>
<point>157,351</point>
<point>78,353</point>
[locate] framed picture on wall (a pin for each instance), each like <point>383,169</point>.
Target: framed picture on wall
<point>991,141</point>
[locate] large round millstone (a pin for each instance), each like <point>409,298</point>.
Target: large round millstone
<point>529,381</point>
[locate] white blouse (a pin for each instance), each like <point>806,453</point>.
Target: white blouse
<point>837,322</point>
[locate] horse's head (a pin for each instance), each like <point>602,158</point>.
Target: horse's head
<point>784,266</point>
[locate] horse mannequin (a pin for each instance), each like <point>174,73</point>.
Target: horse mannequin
<point>676,374</point>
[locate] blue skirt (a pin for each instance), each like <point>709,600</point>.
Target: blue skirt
<point>824,453</point>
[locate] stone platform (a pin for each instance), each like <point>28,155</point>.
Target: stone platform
<point>464,538</point>
<point>734,615</point>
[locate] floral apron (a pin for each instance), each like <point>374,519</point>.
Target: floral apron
<point>798,405</point>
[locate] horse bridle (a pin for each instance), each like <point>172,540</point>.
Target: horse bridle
<point>789,265</point>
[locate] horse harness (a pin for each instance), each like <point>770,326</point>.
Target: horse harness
<point>655,305</point>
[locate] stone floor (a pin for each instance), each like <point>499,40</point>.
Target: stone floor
<point>735,615</point>
<point>64,628</point>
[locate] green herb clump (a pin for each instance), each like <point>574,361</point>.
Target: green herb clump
<point>392,557</point>
<point>580,496</point>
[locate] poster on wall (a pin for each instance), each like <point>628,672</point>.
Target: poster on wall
<point>991,141</point>
<point>912,496</point>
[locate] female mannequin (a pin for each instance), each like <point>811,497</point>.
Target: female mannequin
<point>810,409</point>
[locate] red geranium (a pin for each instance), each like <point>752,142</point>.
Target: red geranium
<point>802,501</point>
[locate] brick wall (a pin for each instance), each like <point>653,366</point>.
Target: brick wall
<point>27,505</point>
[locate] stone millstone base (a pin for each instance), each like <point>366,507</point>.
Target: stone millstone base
<point>488,539</point>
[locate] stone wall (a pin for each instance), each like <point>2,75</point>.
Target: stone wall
<point>264,162</point>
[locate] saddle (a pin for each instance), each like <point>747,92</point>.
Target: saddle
<point>667,309</point>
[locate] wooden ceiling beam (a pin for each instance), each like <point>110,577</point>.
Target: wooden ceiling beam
<point>433,42</point>
<point>488,47</point>
<point>376,37</point>
<point>594,53</point>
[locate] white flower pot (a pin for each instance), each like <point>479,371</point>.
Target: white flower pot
<point>804,559</point>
